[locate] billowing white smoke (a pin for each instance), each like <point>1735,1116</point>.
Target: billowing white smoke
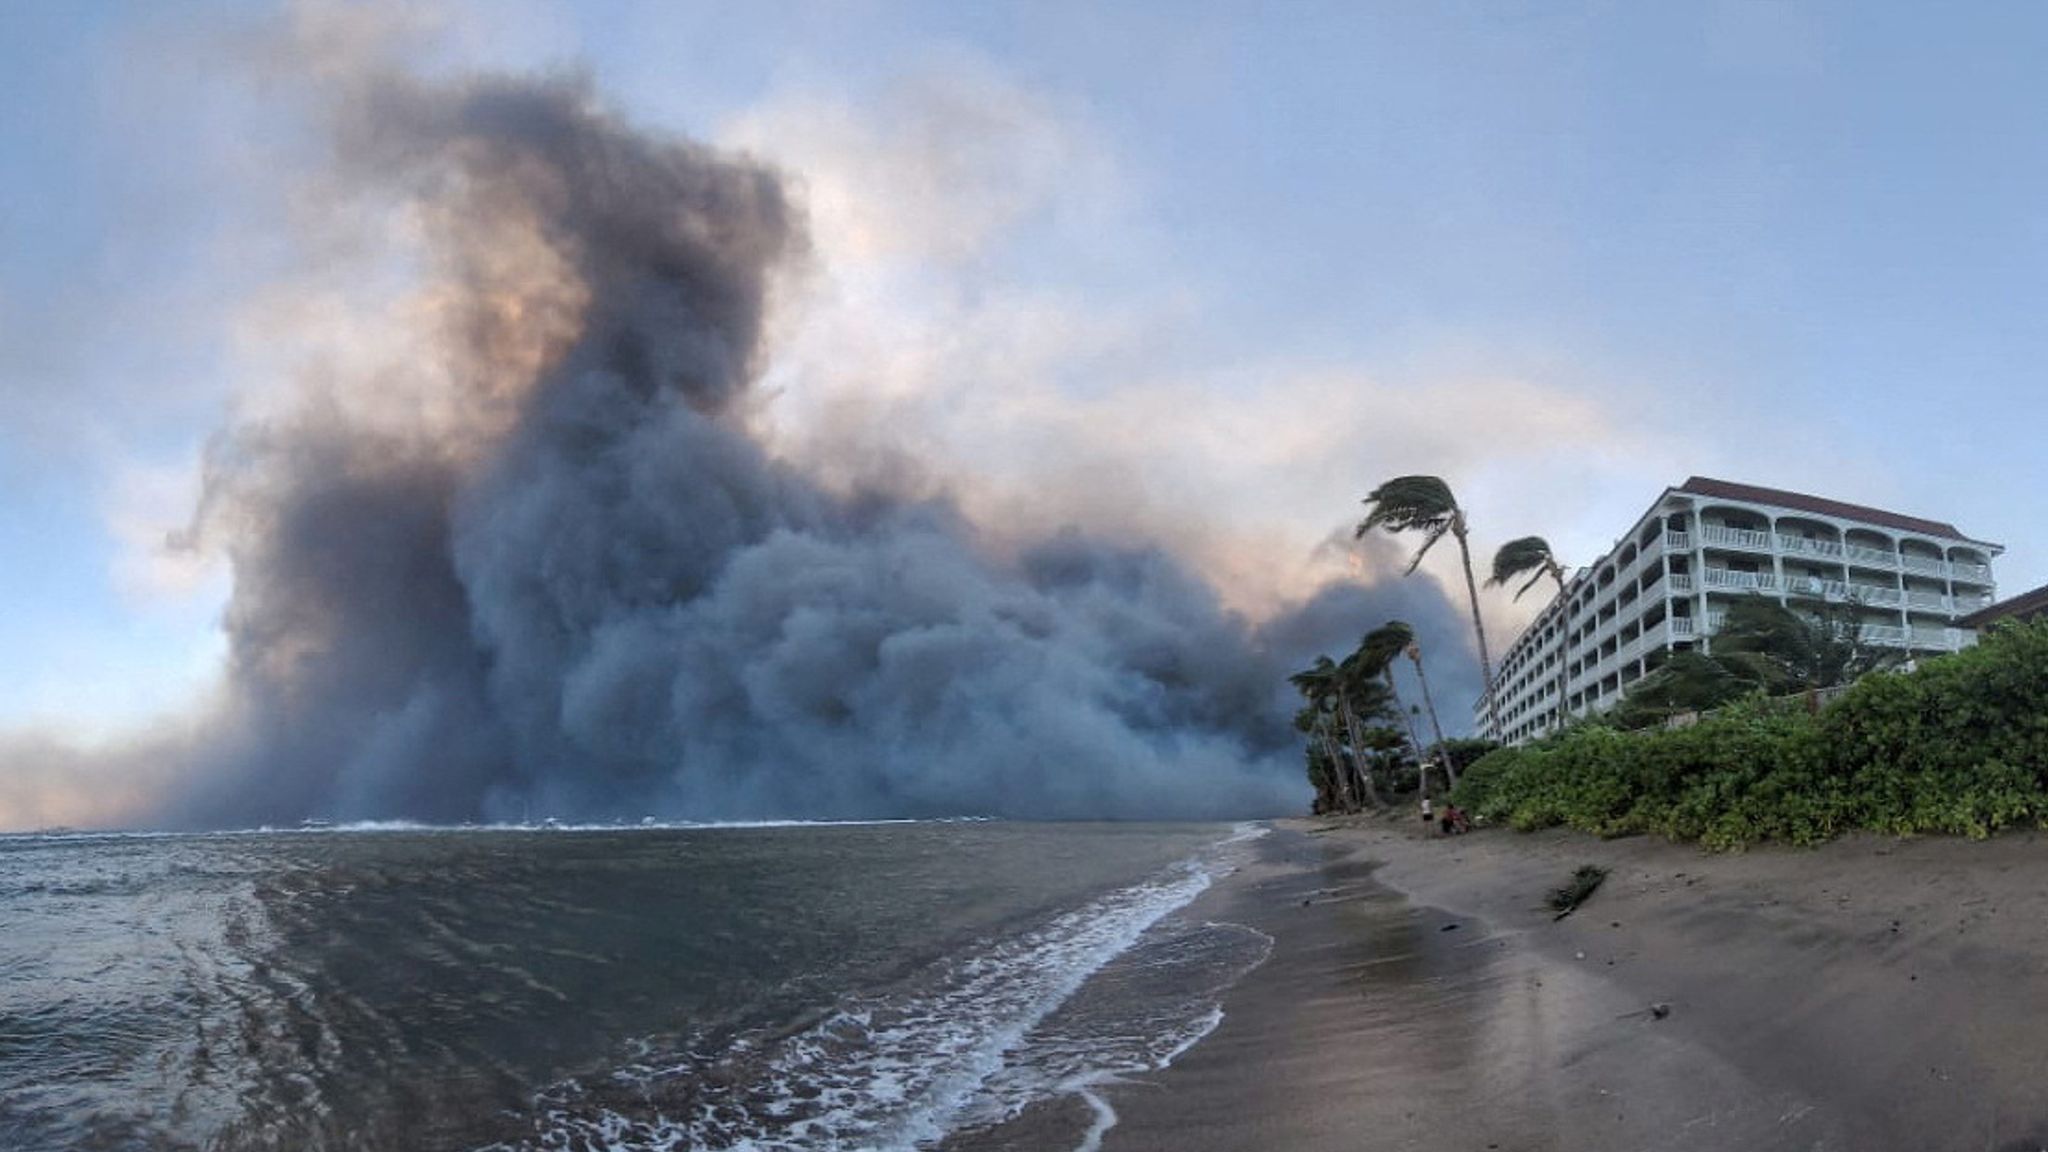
<point>576,584</point>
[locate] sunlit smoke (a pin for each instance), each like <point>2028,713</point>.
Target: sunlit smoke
<point>542,563</point>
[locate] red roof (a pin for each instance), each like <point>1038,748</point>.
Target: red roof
<point>2024,606</point>
<point>1729,490</point>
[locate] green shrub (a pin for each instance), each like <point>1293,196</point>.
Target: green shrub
<point>1959,747</point>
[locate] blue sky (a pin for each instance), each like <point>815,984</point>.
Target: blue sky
<point>1565,256</point>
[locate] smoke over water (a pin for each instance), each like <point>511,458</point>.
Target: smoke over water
<point>569,579</point>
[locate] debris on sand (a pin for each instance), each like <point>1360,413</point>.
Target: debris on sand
<point>1566,900</point>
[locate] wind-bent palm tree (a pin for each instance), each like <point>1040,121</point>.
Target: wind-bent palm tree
<point>1531,556</point>
<point>1377,651</point>
<point>1424,504</point>
<point>1321,684</point>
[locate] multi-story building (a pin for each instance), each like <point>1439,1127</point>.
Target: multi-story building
<point>1665,585</point>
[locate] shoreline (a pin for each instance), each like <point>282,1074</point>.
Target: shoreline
<point>1869,994</point>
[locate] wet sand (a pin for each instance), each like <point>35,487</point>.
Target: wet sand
<point>1873,994</point>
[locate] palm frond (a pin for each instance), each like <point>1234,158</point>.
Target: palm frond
<point>1528,554</point>
<point>1379,647</point>
<point>1409,504</point>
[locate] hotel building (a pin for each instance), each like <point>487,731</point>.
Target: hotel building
<point>1665,586</point>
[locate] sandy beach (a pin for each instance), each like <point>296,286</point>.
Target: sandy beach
<point>1873,994</point>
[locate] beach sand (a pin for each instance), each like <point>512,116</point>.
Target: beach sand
<point>1872,994</point>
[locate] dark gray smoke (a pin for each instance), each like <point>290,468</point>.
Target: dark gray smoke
<point>591,592</point>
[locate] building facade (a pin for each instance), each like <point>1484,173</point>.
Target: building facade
<point>1665,585</point>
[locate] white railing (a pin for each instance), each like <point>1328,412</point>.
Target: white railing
<point>1877,557</point>
<point>1681,581</point>
<point>1924,564</point>
<point>1966,604</point>
<point>1815,586</point>
<point>1802,544</point>
<point>1729,578</point>
<point>1676,542</point>
<point>1919,599</point>
<point>1977,572</point>
<point>1887,635</point>
<point>1736,537</point>
<point>1681,626</point>
<point>1714,620</point>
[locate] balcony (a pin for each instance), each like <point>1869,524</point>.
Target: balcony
<point>1871,557</point>
<point>1681,627</point>
<point>1730,578</point>
<point>1736,537</point>
<point>1801,544</point>
<point>1677,542</point>
<point>1681,582</point>
<point>1975,573</point>
<point>1925,565</point>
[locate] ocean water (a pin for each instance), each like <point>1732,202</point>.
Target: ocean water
<point>783,987</point>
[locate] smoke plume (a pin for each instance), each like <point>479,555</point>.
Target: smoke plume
<point>566,578</point>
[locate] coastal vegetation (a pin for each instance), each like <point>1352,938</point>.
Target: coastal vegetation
<point>1356,755</point>
<point>1958,745</point>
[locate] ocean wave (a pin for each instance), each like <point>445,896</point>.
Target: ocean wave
<point>969,1043</point>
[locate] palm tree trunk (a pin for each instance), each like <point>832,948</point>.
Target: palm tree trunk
<point>1358,752</point>
<point>1414,741</point>
<point>1338,774</point>
<point>1478,627</point>
<point>1443,752</point>
<point>1334,788</point>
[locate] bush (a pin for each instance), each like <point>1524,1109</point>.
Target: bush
<point>1959,746</point>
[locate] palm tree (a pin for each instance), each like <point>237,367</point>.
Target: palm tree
<point>1321,685</point>
<point>1531,556</point>
<point>1360,698</point>
<point>1376,654</point>
<point>1793,652</point>
<point>1424,504</point>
